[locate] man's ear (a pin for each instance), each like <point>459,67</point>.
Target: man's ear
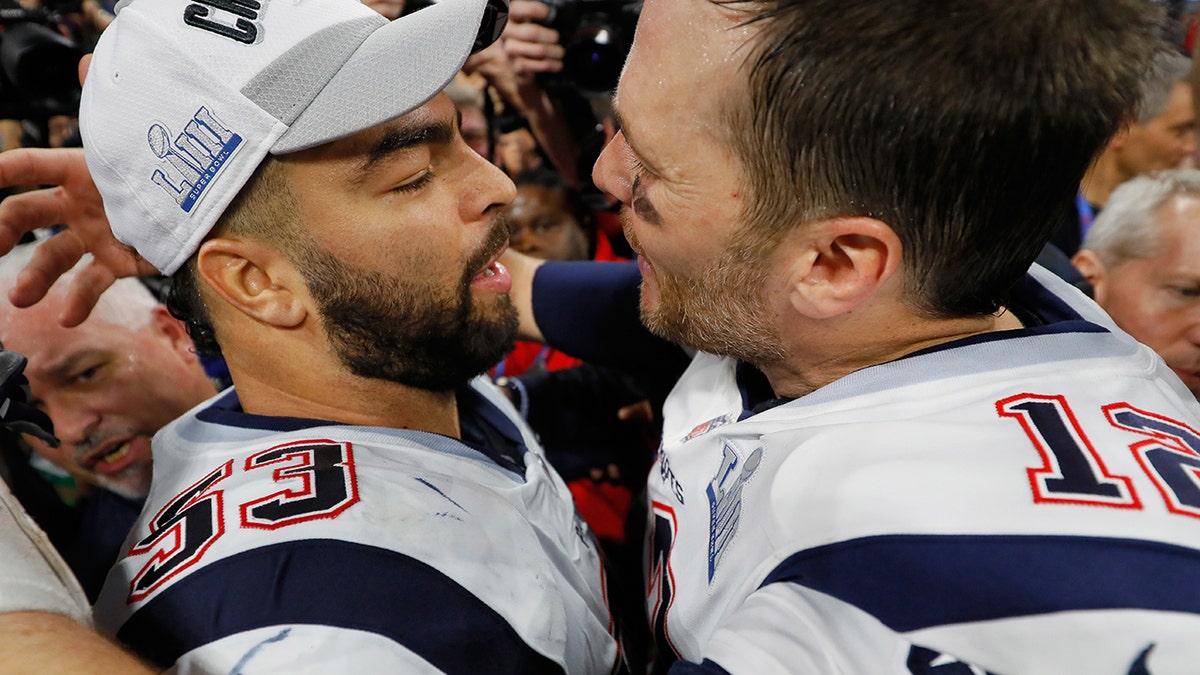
<point>173,330</point>
<point>1092,269</point>
<point>255,279</point>
<point>1120,138</point>
<point>844,261</point>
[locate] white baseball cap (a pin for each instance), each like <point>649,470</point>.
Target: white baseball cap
<point>184,98</point>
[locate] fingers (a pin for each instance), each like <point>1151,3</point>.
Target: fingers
<point>41,166</point>
<point>530,32</point>
<point>89,283</point>
<point>22,213</point>
<point>54,257</point>
<point>612,473</point>
<point>83,67</point>
<point>520,11</point>
<point>641,411</point>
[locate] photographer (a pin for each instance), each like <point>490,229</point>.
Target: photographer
<point>41,42</point>
<point>555,67</point>
<point>511,66</point>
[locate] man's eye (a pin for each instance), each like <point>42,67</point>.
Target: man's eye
<point>544,225</point>
<point>1187,291</point>
<point>416,183</point>
<point>87,375</point>
<point>636,168</point>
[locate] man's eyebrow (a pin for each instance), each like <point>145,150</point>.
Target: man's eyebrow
<point>638,201</point>
<point>620,121</point>
<point>60,368</point>
<point>631,142</point>
<point>399,139</point>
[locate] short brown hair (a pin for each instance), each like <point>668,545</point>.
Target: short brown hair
<point>265,209</point>
<point>965,125</point>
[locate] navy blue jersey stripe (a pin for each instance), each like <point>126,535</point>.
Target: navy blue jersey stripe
<point>910,582</point>
<point>689,668</point>
<point>333,583</point>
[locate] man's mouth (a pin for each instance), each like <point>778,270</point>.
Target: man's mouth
<point>494,278</point>
<point>118,454</point>
<point>492,269</point>
<point>112,456</point>
<point>492,274</point>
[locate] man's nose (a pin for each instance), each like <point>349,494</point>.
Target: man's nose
<point>72,425</point>
<point>609,173</point>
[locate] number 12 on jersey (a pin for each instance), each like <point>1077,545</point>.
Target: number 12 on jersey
<point>1073,472</point>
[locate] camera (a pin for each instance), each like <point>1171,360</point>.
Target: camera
<point>38,66</point>
<point>596,35</point>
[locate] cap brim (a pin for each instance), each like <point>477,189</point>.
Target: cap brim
<point>397,69</point>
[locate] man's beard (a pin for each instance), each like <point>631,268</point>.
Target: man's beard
<point>132,482</point>
<point>405,331</point>
<point>720,310</point>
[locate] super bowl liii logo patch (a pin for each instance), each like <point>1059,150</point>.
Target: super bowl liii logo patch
<point>194,157</point>
<point>725,501</point>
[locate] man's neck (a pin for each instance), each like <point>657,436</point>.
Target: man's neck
<point>814,363</point>
<point>1102,178</point>
<point>350,399</point>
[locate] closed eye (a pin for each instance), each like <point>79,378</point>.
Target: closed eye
<point>415,184</point>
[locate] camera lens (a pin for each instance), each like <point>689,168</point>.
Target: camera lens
<point>37,60</point>
<point>594,56</point>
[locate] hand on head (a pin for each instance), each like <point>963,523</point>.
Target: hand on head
<point>72,201</point>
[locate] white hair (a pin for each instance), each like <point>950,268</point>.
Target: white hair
<point>1127,227</point>
<point>127,302</point>
<point>1169,68</point>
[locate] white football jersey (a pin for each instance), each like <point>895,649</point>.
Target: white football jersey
<point>286,545</point>
<point>1019,502</point>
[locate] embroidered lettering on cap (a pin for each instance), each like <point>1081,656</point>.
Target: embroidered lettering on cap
<point>196,155</point>
<point>243,29</point>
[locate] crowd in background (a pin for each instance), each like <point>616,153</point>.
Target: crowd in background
<point>520,107</point>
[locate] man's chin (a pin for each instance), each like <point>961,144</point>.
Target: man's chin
<point>134,487</point>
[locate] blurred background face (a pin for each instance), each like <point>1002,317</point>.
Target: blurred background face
<point>1157,299</point>
<point>107,388</point>
<point>1167,141</point>
<point>516,151</point>
<point>474,130</point>
<point>541,225</point>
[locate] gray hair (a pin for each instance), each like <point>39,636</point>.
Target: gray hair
<point>1169,68</point>
<point>1128,226</point>
<point>126,303</point>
